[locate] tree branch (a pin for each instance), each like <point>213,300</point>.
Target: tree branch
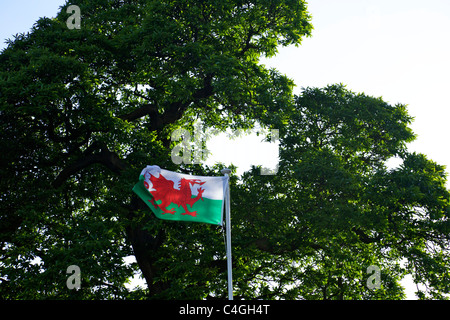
<point>146,109</point>
<point>175,109</point>
<point>108,158</point>
<point>364,237</point>
<point>265,245</point>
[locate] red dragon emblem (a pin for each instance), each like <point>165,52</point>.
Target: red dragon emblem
<point>166,192</point>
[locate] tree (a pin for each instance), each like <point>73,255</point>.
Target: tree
<point>82,111</point>
<point>334,209</point>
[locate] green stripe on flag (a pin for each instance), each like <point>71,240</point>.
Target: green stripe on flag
<point>207,210</point>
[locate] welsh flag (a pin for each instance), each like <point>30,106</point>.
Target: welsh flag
<point>182,197</point>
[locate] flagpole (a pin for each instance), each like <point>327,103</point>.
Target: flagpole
<point>228,226</point>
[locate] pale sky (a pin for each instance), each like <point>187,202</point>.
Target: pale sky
<point>397,49</point>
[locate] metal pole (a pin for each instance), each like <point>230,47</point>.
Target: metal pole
<point>228,226</point>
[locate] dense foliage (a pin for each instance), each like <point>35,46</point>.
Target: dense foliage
<point>82,111</point>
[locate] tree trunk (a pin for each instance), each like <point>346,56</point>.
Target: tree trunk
<point>144,245</point>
